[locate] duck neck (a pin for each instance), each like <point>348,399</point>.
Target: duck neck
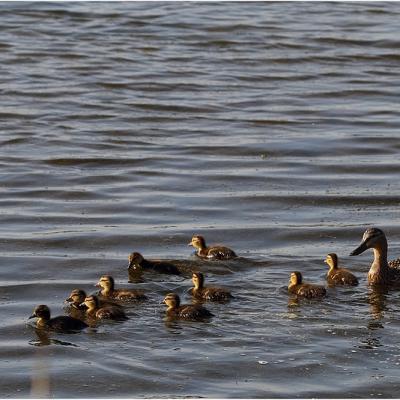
<point>379,268</point>
<point>106,291</point>
<point>41,322</point>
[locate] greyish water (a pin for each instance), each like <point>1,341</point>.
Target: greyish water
<point>273,128</point>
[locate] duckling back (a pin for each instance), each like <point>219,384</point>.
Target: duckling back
<point>64,323</point>
<point>341,276</point>
<point>308,290</point>
<point>220,253</point>
<point>111,312</point>
<point>192,312</point>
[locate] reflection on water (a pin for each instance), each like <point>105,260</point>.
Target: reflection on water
<point>40,373</point>
<point>377,298</point>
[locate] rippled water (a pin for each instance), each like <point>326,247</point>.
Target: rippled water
<point>270,127</point>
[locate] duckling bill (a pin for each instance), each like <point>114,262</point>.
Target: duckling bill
<point>307,290</point>
<point>212,252</point>
<point>61,323</point>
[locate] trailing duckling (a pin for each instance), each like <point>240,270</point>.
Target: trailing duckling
<point>94,310</point>
<point>107,285</point>
<point>138,263</point>
<point>207,293</point>
<point>307,290</point>
<point>62,323</point>
<point>381,272</point>
<point>338,276</point>
<point>185,311</point>
<point>212,252</point>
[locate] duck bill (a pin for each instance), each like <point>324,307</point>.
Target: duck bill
<point>69,300</point>
<point>360,249</point>
<point>97,284</point>
<point>32,316</point>
<point>190,244</point>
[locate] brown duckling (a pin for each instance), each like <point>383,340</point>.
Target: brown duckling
<point>106,312</point>
<point>207,293</point>
<point>106,283</point>
<point>138,263</point>
<point>381,272</point>
<point>213,252</point>
<point>62,323</point>
<point>338,276</point>
<point>185,311</point>
<point>308,290</point>
<point>78,296</point>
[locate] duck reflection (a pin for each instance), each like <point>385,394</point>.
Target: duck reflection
<point>44,339</point>
<point>40,375</point>
<point>377,301</point>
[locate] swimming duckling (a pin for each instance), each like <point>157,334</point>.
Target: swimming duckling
<point>207,293</point>
<point>337,275</point>
<point>381,272</point>
<point>106,283</point>
<point>138,263</point>
<point>213,252</point>
<point>78,296</point>
<point>106,312</point>
<point>308,290</point>
<point>185,311</point>
<point>61,323</point>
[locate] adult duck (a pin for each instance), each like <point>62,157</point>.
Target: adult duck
<point>381,271</point>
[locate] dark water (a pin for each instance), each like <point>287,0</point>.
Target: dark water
<point>270,127</point>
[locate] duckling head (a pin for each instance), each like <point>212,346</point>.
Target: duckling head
<point>372,238</point>
<point>77,297</point>
<point>198,242</point>
<point>106,282</point>
<point>41,312</point>
<point>91,302</point>
<point>135,260</point>
<point>172,300</point>
<point>198,280</point>
<point>295,278</point>
<point>332,260</point>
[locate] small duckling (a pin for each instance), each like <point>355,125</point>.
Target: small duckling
<point>207,293</point>
<point>78,296</point>
<point>106,283</point>
<point>138,263</point>
<point>61,323</point>
<point>213,252</point>
<point>308,290</point>
<point>106,312</point>
<point>185,311</point>
<point>337,275</point>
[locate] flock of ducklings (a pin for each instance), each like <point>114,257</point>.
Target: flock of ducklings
<point>106,304</point>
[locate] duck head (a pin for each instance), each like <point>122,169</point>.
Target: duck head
<point>372,238</point>
<point>41,312</point>
<point>135,260</point>
<point>332,260</point>
<point>198,242</point>
<point>172,300</point>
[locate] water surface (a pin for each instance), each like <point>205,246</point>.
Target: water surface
<point>270,127</point>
